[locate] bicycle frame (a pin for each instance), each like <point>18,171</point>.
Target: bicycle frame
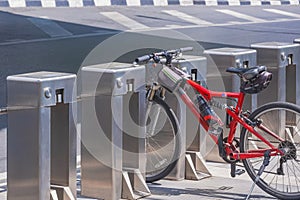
<point>235,113</point>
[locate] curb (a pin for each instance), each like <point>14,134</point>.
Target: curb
<point>88,3</point>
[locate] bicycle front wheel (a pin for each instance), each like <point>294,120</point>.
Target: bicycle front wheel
<point>281,178</point>
<point>163,142</point>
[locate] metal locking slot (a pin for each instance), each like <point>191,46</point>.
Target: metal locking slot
<point>194,74</point>
<point>130,85</point>
<point>245,64</point>
<point>59,95</point>
<point>291,77</point>
<point>290,59</point>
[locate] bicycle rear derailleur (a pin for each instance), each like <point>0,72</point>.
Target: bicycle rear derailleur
<point>290,153</point>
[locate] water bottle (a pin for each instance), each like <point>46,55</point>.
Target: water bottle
<point>213,121</point>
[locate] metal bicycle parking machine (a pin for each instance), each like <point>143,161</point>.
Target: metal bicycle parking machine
<point>283,60</point>
<point>218,60</point>
<point>191,164</point>
<point>113,139</point>
<point>41,143</point>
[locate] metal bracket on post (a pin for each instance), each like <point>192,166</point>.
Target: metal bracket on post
<point>134,185</point>
<point>62,193</point>
<point>3,111</point>
<point>53,195</point>
<point>195,166</point>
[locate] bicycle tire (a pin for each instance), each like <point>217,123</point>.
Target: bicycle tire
<point>165,143</point>
<point>286,115</point>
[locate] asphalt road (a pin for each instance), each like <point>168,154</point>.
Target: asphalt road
<point>209,24</point>
<point>62,39</point>
<point>59,39</point>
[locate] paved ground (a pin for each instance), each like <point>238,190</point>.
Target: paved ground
<point>218,187</point>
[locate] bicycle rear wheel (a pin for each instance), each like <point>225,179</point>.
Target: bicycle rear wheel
<point>281,178</point>
<point>163,142</point>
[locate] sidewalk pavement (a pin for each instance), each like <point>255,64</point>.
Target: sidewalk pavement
<point>220,186</point>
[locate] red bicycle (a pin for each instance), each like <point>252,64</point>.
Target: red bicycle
<point>269,140</point>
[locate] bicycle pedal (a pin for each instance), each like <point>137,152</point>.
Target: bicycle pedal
<point>239,172</point>
<point>235,171</point>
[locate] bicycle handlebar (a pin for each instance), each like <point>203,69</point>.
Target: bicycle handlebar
<point>143,58</point>
<point>184,49</point>
<point>168,53</point>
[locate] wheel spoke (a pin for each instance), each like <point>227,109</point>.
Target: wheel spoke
<point>289,179</point>
<point>162,145</point>
<point>297,179</point>
<point>274,176</point>
<point>295,176</point>
<point>282,119</point>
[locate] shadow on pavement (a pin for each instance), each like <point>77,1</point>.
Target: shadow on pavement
<point>3,189</point>
<point>220,193</point>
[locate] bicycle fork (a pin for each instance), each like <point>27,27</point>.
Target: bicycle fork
<point>155,118</point>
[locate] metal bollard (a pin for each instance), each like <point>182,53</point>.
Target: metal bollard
<point>195,167</point>
<point>113,142</point>
<point>190,161</point>
<point>41,143</point>
<point>222,58</point>
<point>283,60</point>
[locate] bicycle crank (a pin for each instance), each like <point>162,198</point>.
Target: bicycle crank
<point>233,148</point>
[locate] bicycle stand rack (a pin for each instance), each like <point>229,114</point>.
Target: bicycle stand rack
<point>60,192</point>
<point>133,184</point>
<point>112,142</point>
<point>41,149</point>
<point>195,167</point>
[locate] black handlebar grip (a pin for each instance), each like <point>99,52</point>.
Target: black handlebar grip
<point>143,58</point>
<point>186,49</point>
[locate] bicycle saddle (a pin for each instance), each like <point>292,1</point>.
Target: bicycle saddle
<point>247,73</point>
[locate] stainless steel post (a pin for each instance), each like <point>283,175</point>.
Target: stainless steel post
<point>196,67</point>
<point>189,126</point>
<point>298,74</point>
<point>283,60</point>
<point>231,57</point>
<point>41,136</point>
<point>113,142</point>
<point>220,80</point>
